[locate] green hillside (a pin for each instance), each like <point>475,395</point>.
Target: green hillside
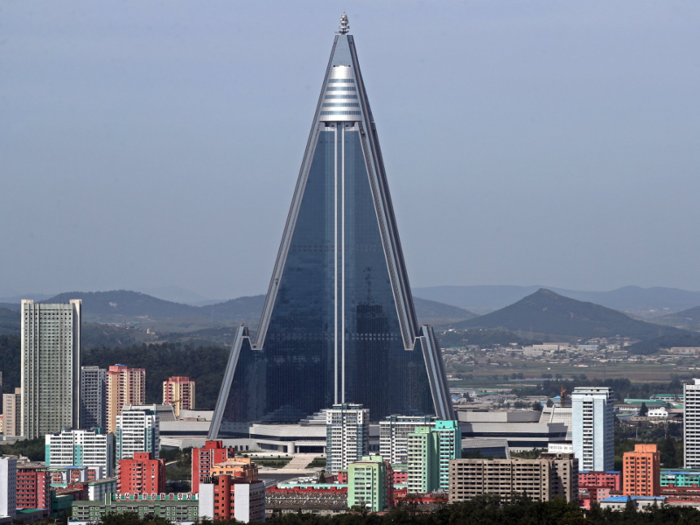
<point>545,312</point>
<point>119,305</point>
<point>689,318</point>
<point>652,346</point>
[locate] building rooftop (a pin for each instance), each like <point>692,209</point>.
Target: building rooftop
<point>623,499</point>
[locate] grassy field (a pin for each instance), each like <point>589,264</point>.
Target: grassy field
<point>637,373</point>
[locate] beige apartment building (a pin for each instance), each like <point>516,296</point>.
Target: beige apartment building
<point>12,413</point>
<point>125,386</point>
<point>549,477</point>
<point>178,391</point>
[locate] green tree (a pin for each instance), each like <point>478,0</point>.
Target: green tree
<point>643,410</point>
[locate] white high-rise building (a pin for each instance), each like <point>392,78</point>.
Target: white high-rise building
<point>8,487</point>
<point>138,430</point>
<point>593,421</point>
<point>93,397</point>
<point>347,435</point>
<point>691,424</point>
<point>50,367</point>
<point>80,448</point>
<point>393,436</point>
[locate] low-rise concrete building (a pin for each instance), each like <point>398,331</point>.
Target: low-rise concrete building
<point>524,429</point>
<point>176,508</point>
<point>640,502</point>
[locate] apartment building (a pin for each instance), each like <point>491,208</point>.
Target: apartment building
<point>204,459</point>
<point>138,430</point>
<point>593,421</point>
<point>368,484</point>
<point>347,435</point>
<point>223,498</point>
<point>178,391</point>
<point>50,367</point>
<point>393,436</point>
<point>142,474</point>
<point>33,486</point>
<point>8,487</point>
<point>641,471</point>
<point>12,413</point>
<point>543,479</point>
<point>125,386</point>
<point>81,448</point>
<point>422,467</point>
<point>691,424</point>
<point>93,397</point>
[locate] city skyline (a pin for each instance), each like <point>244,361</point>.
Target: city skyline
<point>584,108</point>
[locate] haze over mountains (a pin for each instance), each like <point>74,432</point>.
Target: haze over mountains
<point>119,318</point>
<point>133,308</point>
<point>637,301</point>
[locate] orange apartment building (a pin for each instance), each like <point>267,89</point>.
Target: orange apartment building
<point>641,471</point>
<point>204,458</point>
<point>240,469</point>
<point>142,474</point>
<point>178,391</point>
<point>125,386</point>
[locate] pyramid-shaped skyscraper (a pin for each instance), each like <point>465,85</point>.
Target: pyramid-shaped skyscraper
<point>339,324</point>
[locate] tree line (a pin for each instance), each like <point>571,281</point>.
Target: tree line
<point>485,510</point>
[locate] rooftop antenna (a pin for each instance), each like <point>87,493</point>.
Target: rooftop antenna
<point>344,25</point>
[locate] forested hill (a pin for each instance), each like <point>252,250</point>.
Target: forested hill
<point>126,307</point>
<point>687,318</point>
<point>9,321</point>
<point>545,312</point>
<point>120,305</point>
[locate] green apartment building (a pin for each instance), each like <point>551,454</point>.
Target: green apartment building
<point>430,449</point>
<point>679,477</point>
<point>422,461</point>
<point>449,447</point>
<point>175,508</point>
<point>367,484</point>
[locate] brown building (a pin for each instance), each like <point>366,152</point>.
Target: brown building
<point>125,386</point>
<point>178,391</point>
<point>641,471</point>
<point>549,477</point>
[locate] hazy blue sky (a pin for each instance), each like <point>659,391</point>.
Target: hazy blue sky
<point>154,143</point>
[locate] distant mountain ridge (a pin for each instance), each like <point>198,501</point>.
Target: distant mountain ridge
<point>546,312</point>
<point>122,307</point>
<point>646,302</point>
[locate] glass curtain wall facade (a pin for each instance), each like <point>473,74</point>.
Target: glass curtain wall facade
<point>339,325</point>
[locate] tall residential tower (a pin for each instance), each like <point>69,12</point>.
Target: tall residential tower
<point>339,324</point>
<point>93,397</point>
<point>691,424</point>
<point>125,386</point>
<point>347,436</point>
<point>50,367</point>
<point>593,421</point>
